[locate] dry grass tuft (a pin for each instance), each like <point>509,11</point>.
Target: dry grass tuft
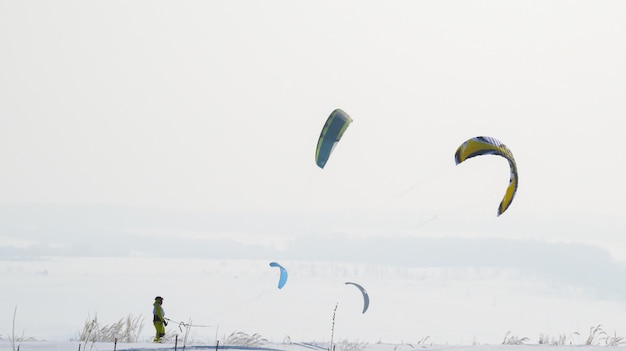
<point>125,330</point>
<point>243,339</point>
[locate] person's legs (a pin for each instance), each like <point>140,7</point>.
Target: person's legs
<point>160,331</point>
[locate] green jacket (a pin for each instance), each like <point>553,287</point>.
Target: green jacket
<point>158,312</point>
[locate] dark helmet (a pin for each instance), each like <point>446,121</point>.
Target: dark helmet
<point>158,298</point>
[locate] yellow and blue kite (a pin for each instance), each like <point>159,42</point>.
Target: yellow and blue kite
<point>484,145</point>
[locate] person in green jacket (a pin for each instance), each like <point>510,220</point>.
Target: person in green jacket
<point>159,318</point>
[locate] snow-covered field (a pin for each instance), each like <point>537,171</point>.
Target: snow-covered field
<point>409,307</point>
<point>53,346</point>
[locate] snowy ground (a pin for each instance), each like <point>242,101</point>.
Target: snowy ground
<point>53,346</point>
<point>460,307</point>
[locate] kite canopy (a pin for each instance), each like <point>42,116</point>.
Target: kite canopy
<point>366,299</point>
<point>484,145</point>
<point>283,274</point>
<point>333,130</point>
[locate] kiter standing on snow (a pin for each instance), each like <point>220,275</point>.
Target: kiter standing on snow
<point>159,318</point>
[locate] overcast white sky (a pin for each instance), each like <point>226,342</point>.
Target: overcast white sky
<point>217,106</point>
<point>188,129</point>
